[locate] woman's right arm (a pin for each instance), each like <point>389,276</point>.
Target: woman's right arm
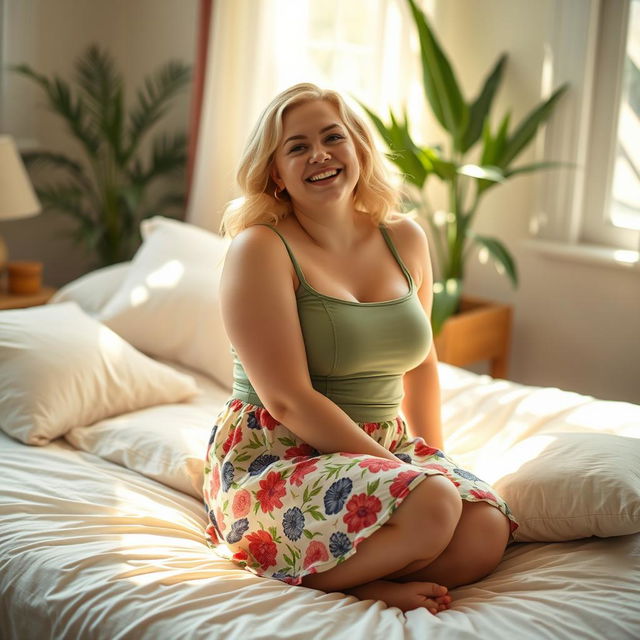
<point>260,316</point>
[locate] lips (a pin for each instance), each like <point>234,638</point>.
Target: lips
<point>324,175</point>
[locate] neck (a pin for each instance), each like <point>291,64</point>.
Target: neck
<point>336,228</point>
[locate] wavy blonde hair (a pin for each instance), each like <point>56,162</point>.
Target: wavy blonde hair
<point>373,193</point>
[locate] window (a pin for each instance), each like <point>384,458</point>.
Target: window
<point>359,47</point>
<point>596,206</point>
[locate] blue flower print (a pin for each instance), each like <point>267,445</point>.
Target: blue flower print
<point>261,463</point>
<point>339,544</point>
<point>337,495</point>
<point>404,457</point>
<point>214,522</point>
<point>227,475</point>
<point>213,435</point>
<point>252,421</point>
<point>238,529</point>
<point>466,474</point>
<point>293,523</point>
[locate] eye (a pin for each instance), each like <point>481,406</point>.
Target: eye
<point>296,148</point>
<point>334,137</point>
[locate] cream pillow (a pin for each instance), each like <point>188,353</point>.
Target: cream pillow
<point>63,369</point>
<point>93,290</point>
<point>565,486</point>
<point>168,305</point>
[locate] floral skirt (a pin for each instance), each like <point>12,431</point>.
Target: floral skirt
<point>281,509</point>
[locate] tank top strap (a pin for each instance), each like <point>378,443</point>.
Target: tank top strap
<point>385,233</point>
<point>296,266</point>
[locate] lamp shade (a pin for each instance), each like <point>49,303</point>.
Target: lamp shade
<point>17,197</point>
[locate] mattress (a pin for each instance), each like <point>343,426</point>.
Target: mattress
<point>102,541</point>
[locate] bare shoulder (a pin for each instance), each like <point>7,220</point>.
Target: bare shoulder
<point>412,243</point>
<point>407,232</point>
<point>256,245</point>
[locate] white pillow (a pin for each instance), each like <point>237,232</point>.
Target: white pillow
<point>63,369</point>
<point>565,486</point>
<point>93,290</point>
<point>168,305</point>
<point>165,443</point>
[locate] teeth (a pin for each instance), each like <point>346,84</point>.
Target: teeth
<point>322,176</point>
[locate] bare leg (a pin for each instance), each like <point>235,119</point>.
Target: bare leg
<point>433,508</point>
<point>475,550</point>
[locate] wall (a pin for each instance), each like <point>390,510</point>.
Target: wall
<point>576,325</point>
<point>140,35</point>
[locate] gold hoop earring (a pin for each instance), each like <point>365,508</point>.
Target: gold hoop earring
<point>275,194</point>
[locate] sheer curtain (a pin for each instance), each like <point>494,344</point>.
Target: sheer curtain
<point>366,49</point>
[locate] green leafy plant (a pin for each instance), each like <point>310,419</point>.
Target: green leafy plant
<point>465,123</point>
<point>108,195</point>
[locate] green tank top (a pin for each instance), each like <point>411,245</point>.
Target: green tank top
<point>357,352</point>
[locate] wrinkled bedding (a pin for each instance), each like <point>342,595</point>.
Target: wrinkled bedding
<point>101,536</point>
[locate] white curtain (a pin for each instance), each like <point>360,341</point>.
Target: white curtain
<point>238,84</point>
<point>260,47</point>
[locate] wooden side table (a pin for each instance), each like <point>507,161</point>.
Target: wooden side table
<point>20,301</point>
<point>482,331</point>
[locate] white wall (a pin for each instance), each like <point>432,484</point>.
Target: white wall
<point>48,35</point>
<point>576,325</point>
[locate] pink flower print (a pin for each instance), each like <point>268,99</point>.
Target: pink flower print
<point>241,504</point>
<point>379,464</point>
<point>215,481</point>
<point>478,493</point>
<point>220,520</point>
<point>316,552</point>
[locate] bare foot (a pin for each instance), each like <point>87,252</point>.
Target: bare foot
<point>406,596</point>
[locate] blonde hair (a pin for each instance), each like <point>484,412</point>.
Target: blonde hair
<point>373,194</point>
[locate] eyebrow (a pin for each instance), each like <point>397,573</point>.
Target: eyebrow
<point>302,137</point>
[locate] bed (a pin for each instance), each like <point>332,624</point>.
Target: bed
<point>104,427</point>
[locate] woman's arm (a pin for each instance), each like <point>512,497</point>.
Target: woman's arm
<point>421,402</point>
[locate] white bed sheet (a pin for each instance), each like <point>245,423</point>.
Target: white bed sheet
<point>91,549</point>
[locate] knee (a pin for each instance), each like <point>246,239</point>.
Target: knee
<point>487,533</point>
<point>440,503</point>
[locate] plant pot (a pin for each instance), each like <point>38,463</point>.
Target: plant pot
<point>480,331</point>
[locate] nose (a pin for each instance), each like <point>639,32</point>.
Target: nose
<point>319,156</point>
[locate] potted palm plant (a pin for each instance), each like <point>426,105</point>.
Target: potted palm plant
<point>466,328</point>
<point>108,195</point>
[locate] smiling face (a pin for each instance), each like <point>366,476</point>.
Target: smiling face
<point>316,161</point>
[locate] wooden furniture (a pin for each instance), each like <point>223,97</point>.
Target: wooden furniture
<point>15,301</point>
<point>481,331</point>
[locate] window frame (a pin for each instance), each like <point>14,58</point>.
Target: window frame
<point>570,218</point>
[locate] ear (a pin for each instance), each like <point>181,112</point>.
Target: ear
<point>275,176</point>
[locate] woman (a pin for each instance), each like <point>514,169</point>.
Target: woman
<point>326,297</point>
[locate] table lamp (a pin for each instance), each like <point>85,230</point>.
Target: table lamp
<point>17,197</point>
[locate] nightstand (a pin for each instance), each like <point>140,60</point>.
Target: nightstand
<point>19,301</point>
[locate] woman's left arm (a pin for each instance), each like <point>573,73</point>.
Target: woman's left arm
<point>421,401</point>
